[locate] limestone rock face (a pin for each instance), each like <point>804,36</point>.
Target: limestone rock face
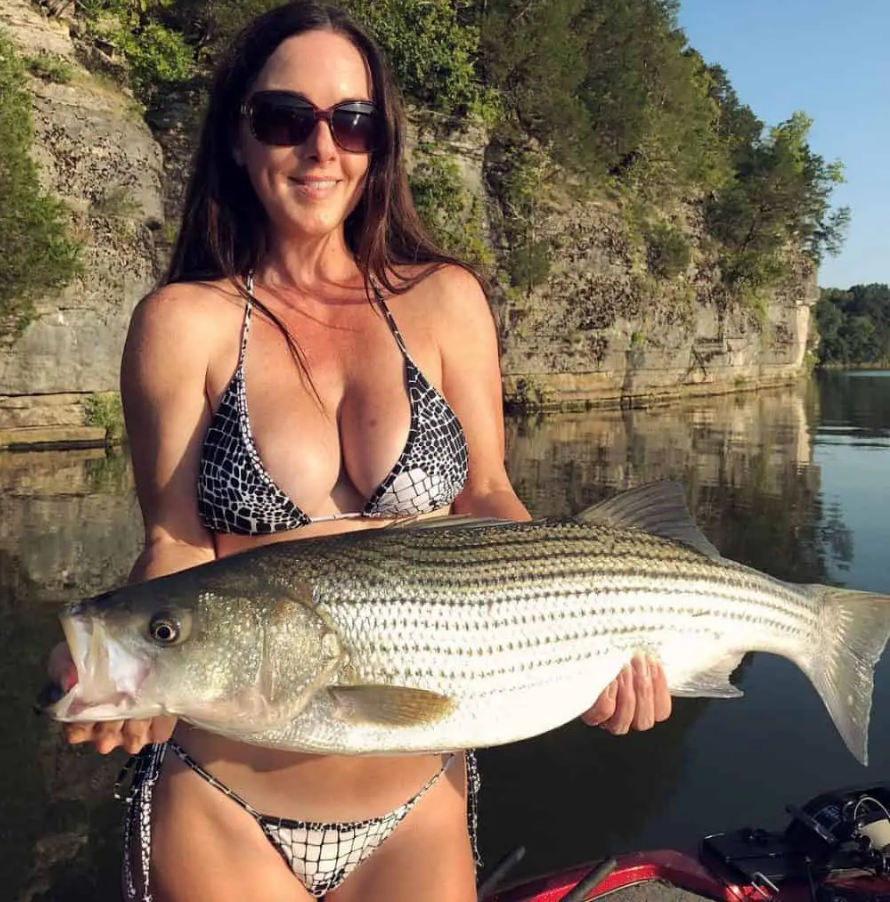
<point>97,155</point>
<point>602,329</point>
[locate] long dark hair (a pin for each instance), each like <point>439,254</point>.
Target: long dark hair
<point>223,233</point>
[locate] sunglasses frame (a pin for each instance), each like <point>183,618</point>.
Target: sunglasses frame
<point>298,102</point>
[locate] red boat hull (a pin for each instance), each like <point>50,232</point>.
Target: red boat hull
<point>684,871</point>
<point>672,867</point>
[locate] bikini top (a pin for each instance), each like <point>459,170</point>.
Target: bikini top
<point>237,495</point>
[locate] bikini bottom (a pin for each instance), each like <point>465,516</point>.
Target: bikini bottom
<point>321,855</point>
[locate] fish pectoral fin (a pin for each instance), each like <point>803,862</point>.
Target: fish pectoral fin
<point>711,683</point>
<point>396,706</point>
<point>658,508</point>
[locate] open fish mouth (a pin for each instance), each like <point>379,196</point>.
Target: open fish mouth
<point>108,682</point>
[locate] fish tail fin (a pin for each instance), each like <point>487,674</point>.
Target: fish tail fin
<point>851,636</point>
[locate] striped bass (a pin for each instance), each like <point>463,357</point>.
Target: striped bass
<point>458,633</point>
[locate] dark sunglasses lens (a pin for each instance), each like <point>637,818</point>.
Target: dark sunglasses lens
<point>282,124</point>
<point>355,131</point>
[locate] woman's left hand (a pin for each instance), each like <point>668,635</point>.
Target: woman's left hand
<point>637,699</point>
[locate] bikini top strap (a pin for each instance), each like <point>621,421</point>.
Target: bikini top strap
<point>245,328</point>
<point>378,294</point>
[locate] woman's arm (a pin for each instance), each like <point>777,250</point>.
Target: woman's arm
<point>164,394</point>
<point>471,381</point>
<point>163,388</point>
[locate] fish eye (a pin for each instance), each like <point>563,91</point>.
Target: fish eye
<point>165,628</point>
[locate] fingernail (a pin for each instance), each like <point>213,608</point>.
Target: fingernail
<point>644,666</point>
<point>612,690</point>
<point>68,679</point>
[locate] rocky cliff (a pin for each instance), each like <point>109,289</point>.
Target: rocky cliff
<point>602,329</point>
<point>599,329</point>
<point>96,153</point>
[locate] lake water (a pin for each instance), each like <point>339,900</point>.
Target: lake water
<point>796,483</point>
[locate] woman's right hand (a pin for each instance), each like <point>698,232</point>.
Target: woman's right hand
<point>106,736</point>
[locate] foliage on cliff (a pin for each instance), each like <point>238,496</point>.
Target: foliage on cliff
<point>611,88</point>
<point>854,325</point>
<point>36,252</point>
<point>608,91</point>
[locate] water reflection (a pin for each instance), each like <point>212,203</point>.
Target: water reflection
<point>69,526</point>
<point>788,482</point>
<point>745,461</point>
<point>746,465</point>
<point>70,519</point>
<point>856,403</point>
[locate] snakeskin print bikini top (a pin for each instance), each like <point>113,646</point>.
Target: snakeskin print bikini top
<point>237,495</point>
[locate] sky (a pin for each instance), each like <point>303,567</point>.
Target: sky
<point>830,59</point>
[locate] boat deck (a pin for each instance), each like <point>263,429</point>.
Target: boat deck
<point>654,891</point>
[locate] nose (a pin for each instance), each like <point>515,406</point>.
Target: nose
<point>321,144</point>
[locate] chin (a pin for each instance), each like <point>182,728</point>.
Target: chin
<point>309,223</point>
<point>315,230</point>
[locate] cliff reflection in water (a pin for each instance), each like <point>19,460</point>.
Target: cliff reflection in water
<point>70,526</point>
<point>745,462</point>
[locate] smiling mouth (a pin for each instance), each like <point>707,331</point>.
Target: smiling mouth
<point>316,184</point>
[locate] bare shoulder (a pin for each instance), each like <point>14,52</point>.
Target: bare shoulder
<point>454,300</point>
<point>184,310</point>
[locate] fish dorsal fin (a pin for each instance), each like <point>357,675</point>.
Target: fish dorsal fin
<point>447,521</point>
<point>658,508</point>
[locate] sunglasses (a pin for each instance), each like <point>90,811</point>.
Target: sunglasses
<point>285,119</point>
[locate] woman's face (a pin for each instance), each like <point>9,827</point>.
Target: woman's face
<point>309,190</point>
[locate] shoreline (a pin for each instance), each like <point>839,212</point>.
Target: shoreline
<point>546,399</point>
<point>17,438</point>
<point>517,402</point>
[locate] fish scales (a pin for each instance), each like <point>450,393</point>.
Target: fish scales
<point>492,625</point>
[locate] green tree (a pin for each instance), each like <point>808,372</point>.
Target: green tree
<point>796,185</point>
<point>854,325</point>
<point>150,36</point>
<point>608,90</point>
<point>829,320</point>
<point>454,217</point>
<point>736,123</point>
<point>533,55</point>
<point>609,87</point>
<point>779,199</point>
<point>433,47</point>
<point>649,97</point>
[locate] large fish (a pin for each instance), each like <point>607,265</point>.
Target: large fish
<point>460,634</point>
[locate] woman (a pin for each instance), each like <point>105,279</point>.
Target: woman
<point>387,402</point>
